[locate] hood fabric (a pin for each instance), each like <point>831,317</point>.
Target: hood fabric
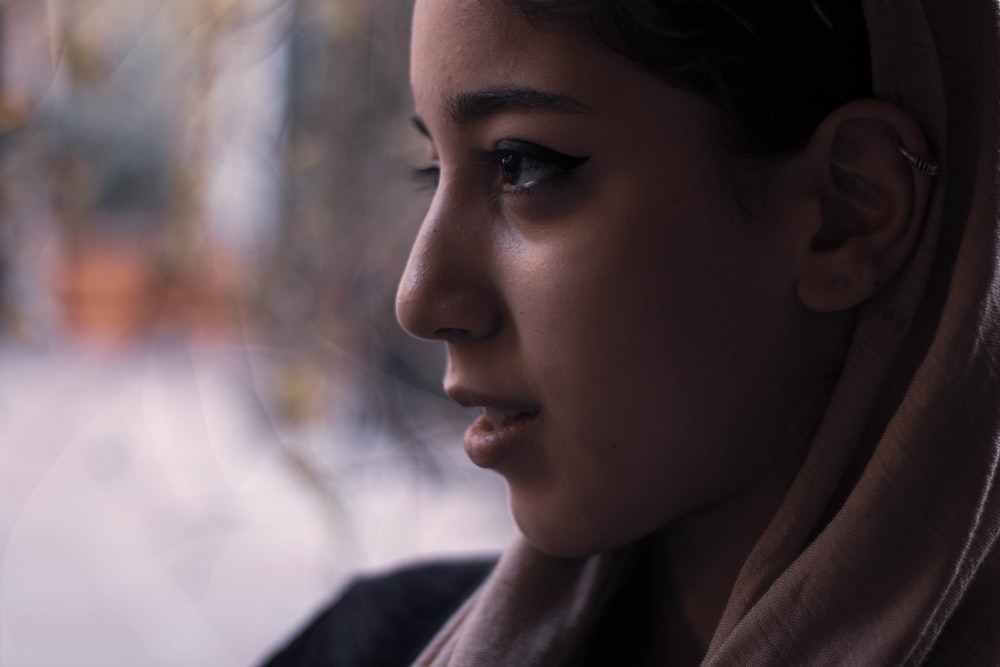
<point>884,550</point>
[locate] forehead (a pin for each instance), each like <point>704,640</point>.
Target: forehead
<point>463,30</point>
<point>459,46</point>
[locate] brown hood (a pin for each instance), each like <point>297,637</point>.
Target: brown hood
<point>882,553</point>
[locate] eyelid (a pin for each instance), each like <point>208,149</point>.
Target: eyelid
<point>553,162</point>
<point>427,176</point>
<point>533,151</point>
<point>420,126</point>
<point>550,165</point>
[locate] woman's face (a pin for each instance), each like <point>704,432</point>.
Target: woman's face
<point>595,278</point>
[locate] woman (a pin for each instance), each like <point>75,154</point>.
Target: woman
<point>724,288</point>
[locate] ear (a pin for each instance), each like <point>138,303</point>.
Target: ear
<point>867,205</point>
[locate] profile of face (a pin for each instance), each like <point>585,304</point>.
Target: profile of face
<point>615,292</point>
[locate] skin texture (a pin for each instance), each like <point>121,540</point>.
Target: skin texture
<point>646,308</point>
<point>629,301</point>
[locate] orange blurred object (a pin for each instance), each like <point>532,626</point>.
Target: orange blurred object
<point>106,289</point>
<point>114,291</point>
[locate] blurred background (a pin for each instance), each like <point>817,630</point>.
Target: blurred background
<point>209,418</point>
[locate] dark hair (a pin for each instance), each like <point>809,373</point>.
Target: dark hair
<point>776,67</point>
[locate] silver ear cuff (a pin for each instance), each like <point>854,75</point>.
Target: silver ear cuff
<point>924,166</point>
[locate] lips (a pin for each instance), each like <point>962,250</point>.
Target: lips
<point>497,418</point>
<point>501,428</point>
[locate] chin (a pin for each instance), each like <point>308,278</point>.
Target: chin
<point>566,539</point>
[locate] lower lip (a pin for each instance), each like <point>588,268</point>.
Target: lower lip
<point>487,446</point>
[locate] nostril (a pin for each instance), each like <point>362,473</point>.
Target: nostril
<point>465,313</point>
<point>454,334</point>
<point>451,314</point>
<point>415,317</point>
<point>446,310</point>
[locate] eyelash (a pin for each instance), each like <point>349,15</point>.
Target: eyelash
<point>428,176</point>
<point>512,158</point>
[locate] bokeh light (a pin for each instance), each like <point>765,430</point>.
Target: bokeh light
<point>209,418</point>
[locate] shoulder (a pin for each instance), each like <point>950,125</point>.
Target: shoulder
<point>385,620</point>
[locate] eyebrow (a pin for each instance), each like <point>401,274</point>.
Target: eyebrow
<point>466,108</point>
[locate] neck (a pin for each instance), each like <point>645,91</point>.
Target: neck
<point>696,559</point>
<point>675,591</point>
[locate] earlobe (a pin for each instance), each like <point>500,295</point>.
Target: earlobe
<point>870,200</point>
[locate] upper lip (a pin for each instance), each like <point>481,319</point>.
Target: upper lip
<point>471,398</point>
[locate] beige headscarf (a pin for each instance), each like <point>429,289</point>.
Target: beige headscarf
<point>884,550</point>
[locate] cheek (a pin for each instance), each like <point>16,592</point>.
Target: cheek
<point>646,328</point>
<point>640,335</point>
<point>623,280</point>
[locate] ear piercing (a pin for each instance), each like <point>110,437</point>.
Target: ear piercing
<point>925,166</point>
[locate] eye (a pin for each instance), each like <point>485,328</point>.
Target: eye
<point>522,166</point>
<point>427,177</point>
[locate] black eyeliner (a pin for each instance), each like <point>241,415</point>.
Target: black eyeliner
<point>427,177</point>
<point>528,149</point>
<point>566,163</point>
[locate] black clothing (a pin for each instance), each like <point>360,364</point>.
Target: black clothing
<point>384,621</point>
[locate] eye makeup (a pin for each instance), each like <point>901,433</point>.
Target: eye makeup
<point>522,166</point>
<point>427,176</point>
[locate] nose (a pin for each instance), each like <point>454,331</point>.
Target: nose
<point>447,291</point>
